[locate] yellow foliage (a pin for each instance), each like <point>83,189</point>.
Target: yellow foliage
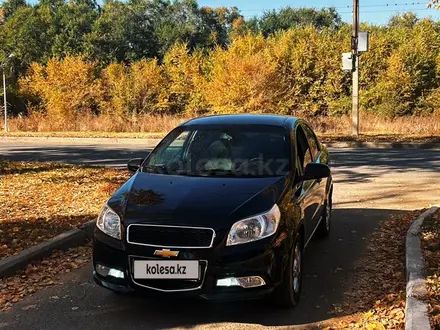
<point>242,78</point>
<point>295,72</point>
<point>66,87</point>
<point>186,80</point>
<point>131,90</point>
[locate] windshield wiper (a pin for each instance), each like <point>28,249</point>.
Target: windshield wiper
<point>223,173</point>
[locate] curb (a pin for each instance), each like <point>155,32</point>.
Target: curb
<point>63,241</point>
<point>416,310</point>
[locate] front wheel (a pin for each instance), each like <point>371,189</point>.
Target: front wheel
<point>288,293</point>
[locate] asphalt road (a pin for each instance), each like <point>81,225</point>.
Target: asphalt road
<point>370,184</point>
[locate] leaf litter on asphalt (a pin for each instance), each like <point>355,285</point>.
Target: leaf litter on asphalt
<point>375,297</point>
<point>430,239</point>
<point>41,274</point>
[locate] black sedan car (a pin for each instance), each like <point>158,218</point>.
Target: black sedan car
<point>222,208</point>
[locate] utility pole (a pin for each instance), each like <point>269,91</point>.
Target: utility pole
<point>3,65</point>
<point>355,52</point>
<point>4,97</point>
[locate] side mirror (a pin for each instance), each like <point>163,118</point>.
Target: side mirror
<point>134,164</point>
<point>315,171</point>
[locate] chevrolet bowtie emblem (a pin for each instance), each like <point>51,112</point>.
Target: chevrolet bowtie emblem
<point>164,253</point>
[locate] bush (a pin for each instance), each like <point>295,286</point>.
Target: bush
<point>66,88</point>
<point>242,78</point>
<point>128,91</point>
<point>186,78</point>
<point>295,72</point>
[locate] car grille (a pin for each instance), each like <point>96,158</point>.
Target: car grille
<point>170,285</point>
<point>170,236</point>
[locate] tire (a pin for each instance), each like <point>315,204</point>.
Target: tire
<point>325,225</point>
<point>288,293</point>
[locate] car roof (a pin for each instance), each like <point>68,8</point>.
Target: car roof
<point>244,119</point>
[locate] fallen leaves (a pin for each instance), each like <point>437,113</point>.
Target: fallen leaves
<point>430,239</point>
<point>375,299</point>
<point>40,275</point>
<point>42,200</point>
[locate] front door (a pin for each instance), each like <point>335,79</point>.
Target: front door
<point>308,193</point>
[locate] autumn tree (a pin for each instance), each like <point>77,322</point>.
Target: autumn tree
<point>186,73</point>
<point>129,91</point>
<point>434,3</point>
<point>67,88</point>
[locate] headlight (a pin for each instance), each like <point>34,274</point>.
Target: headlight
<point>255,228</point>
<point>109,222</point>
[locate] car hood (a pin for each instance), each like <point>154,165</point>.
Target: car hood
<point>194,201</point>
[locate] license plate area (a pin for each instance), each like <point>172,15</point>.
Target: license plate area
<point>166,269</point>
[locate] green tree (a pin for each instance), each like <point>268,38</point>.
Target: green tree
<point>71,24</point>
<point>26,34</point>
<point>407,20</point>
<point>288,17</point>
<point>9,7</point>
<point>123,32</point>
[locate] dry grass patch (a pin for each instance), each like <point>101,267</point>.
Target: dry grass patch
<point>151,126</point>
<point>41,200</point>
<point>87,123</point>
<point>430,237</point>
<point>113,135</point>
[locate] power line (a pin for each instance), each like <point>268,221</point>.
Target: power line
<point>374,11</point>
<point>387,10</point>
<point>365,11</point>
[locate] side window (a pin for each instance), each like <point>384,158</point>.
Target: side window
<point>303,150</point>
<point>313,143</point>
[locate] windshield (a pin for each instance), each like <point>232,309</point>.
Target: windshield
<point>242,151</point>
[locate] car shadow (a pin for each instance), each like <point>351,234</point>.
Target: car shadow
<point>330,265</point>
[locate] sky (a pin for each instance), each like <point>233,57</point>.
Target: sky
<point>372,11</point>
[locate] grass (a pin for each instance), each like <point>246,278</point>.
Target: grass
<point>89,124</point>
<point>42,200</point>
<point>115,135</point>
<point>373,127</point>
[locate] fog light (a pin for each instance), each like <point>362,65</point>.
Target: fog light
<point>245,282</point>
<point>106,271</point>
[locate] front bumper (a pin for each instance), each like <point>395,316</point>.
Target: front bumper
<point>265,258</point>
